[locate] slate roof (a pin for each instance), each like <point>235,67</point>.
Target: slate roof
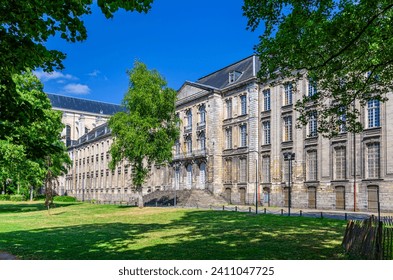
<point>84,105</point>
<point>248,67</point>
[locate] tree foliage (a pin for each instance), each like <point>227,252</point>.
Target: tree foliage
<point>345,47</point>
<point>29,128</point>
<point>29,140</point>
<point>146,132</point>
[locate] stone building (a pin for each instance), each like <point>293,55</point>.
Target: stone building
<point>234,134</point>
<point>90,178</point>
<point>235,127</point>
<point>81,115</point>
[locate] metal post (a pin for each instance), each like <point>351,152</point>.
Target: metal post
<point>176,182</point>
<point>379,207</point>
<point>289,185</point>
<point>83,189</point>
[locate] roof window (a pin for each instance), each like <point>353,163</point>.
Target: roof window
<point>234,76</point>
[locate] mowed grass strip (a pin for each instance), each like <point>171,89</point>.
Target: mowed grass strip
<point>85,231</point>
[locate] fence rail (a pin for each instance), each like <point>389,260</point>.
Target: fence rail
<point>369,239</point>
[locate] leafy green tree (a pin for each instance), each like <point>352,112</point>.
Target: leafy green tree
<point>345,47</point>
<point>26,25</point>
<point>146,132</point>
<point>30,136</point>
<point>25,121</point>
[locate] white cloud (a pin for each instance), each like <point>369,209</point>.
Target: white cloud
<point>45,76</point>
<point>77,89</point>
<point>94,73</point>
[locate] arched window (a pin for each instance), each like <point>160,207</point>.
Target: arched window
<point>202,173</point>
<point>372,198</point>
<point>202,115</point>
<point>202,140</point>
<point>340,197</point>
<point>189,176</point>
<point>312,197</point>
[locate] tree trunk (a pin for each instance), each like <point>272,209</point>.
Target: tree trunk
<point>140,198</point>
<point>31,193</point>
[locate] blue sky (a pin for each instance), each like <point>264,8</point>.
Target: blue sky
<point>183,40</point>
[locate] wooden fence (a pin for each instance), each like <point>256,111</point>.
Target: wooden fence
<point>370,238</point>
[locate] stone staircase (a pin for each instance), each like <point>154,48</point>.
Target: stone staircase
<point>184,198</point>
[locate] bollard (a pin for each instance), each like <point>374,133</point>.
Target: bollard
<point>249,209</point>
<point>223,208</point>
<point>346,216</point>
<point>282,212</point>
<point>156,203</point>
<point>301,213</point>
<point>235,208</point>
<point>321,215</point>
<point>264,210</point>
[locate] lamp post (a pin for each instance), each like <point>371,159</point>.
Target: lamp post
<point>289,156</point>
<point>177,179</point>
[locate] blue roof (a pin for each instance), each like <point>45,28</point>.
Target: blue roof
<point>84,105</point>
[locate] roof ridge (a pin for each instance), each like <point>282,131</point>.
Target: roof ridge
<point>90,100</point>
<point>226,67</point>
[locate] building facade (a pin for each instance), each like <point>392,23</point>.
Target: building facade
<point>234,132</point>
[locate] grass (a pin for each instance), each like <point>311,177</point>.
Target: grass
<point>86,231</point>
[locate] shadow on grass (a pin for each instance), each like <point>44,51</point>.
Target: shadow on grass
<point>196,235</point>
<point>28,206</point>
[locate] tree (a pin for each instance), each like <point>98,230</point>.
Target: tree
<point>146,132</point>
<point>25,27</point>
<point>344,47</point>
<point>30,136</point>
<point>27,24</point>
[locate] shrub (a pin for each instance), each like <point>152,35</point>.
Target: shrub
<point>39,197</point>
<point>17,197</point>
<point>64,199</point>
<point>4,197</point>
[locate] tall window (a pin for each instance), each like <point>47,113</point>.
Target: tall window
<point>202,173</point>
<point>311,166</point>
<point>339,165</point>
<point>312,125</point>
<point>266,100</point>
<point>243,135</point>
<point>202,141</point>
<point>189,144</point>
<point>228,103</point>
<point>266,132</point>
<point>243,104</point>
<point>228,171</point>
<point>266,169</point>
<point>373,160</point>
<point>287,135</point>
<point>177,147</point>
<point>373,113</point>
<point>288,89</point>
<point>189,118</point>
<point>243,170</point>
<point>202,115</point>
<point>228,137</point>
<point>189,176</point>
<point>343,121</point>
<point>312,88</point>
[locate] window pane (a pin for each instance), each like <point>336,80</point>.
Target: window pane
<point>266,100</point>
<point>311,166</point>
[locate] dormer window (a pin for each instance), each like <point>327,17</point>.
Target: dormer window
<point>234,76</point>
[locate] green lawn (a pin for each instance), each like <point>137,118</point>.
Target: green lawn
<point>86,231</point>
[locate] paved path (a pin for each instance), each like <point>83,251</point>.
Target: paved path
<point>6,256</point>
